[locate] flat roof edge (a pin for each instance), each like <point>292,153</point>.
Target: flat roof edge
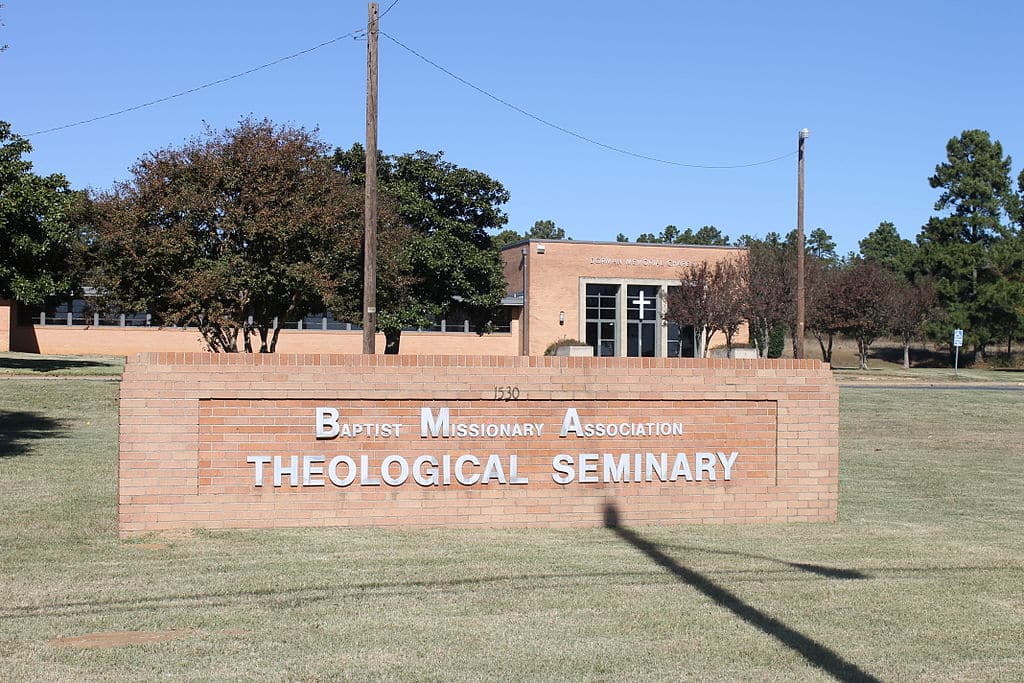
<point>631,244</point>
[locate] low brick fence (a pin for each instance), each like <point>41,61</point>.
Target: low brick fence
<point>251,441</point>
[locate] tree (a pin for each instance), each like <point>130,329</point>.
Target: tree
<point>821,245</point>
<point>621,238</point>
<point>1003,299</point>
<point>234,231</point>
<point>541,230</point>
<point>449,259</point>
<point>546,230</point>
<point>505,238</point>
<point>38,243</point>
<point>884,246</point>
<point>731,292</point>
<point>864,294</point>
<point>708,299</point>
<point>955,248</point>
<point>708,235</point>
<point>912,305</point>
<point>822,304</point>
<point>769,294</point>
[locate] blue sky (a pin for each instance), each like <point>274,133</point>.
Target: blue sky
<point>881,85</point>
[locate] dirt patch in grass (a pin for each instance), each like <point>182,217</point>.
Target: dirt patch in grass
<point>93,641</point>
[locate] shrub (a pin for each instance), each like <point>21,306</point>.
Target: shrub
<point>553,346</point>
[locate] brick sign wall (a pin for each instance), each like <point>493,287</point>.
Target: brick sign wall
<point>315,440</point>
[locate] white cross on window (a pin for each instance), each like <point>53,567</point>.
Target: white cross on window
<point>642,301</point>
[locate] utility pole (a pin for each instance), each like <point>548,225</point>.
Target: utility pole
<point>798,341</point>
<point>370,225</point>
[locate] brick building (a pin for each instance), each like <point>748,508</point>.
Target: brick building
<point>609,295</point>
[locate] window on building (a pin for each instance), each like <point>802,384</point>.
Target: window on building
<point>602,318</point>
<point>641,320</point>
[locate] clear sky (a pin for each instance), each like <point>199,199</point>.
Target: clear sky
<point>881,85</point>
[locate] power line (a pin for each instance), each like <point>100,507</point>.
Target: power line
<point>203,86</point>
<point>387,10</point>
<point>573,133</point>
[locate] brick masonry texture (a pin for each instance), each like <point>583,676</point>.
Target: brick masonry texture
<point>6,323</point>
<point>189,421</point>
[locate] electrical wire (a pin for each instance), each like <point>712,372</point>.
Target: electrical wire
<point>352,34</point>
<point>573,133</point>
<point>204,86</point>
<point>361,33</point>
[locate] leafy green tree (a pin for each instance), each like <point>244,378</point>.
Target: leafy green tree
<point>233,231</point>
<point>449,259</point>
<point>621,238</point>
<point>1004,298</point>
<point>821,245</point>
<point>541,230</point>
<point>884,246</point>
<point>39,248</point>
<point>955,248</point>
<point>546,230</point>
<point>708,235</point>
<point>505,238</point>
<point>1017,204</point>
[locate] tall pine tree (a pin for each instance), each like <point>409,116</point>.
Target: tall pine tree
<point>956,248</point>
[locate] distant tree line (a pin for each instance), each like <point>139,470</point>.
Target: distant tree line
<point>541,230</point>
<point>965,270</point>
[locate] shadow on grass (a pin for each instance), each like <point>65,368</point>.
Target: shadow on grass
<point>18,429</point>
<point>812,651</point>
<point>48,364</point>
<point>280,596</point>
<point>919,358</point>
<point>819,569</point>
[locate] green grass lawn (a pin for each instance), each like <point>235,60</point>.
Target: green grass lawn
<point>34,364</point>
<point>920,580</point>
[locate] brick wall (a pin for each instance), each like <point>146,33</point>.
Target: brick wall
<point>6,324</point>
<point>126,341</point>
<point>555,278</point>
<point>198,431</point>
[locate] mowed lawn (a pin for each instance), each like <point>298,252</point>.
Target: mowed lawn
<point>922,579</point>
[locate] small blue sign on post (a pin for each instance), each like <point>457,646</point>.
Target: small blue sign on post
<point>958,341</point>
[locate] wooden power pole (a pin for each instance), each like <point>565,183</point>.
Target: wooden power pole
<point>798,341</point>
<point>370,225</point>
